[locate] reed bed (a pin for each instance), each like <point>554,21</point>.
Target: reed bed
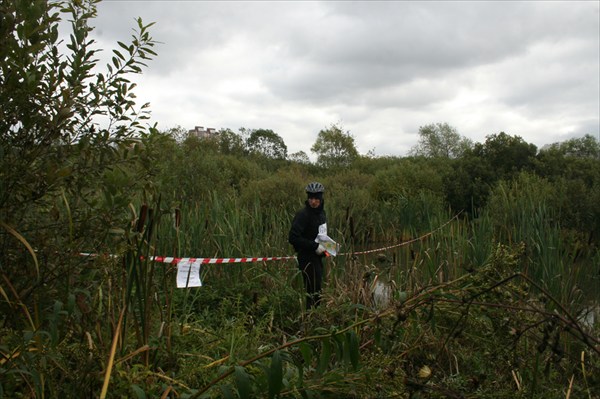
<point>224,227</point>
<point>423,285</point>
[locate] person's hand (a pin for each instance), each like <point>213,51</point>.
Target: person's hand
<point>320,250</point>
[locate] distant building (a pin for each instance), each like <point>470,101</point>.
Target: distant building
<point>201,132</point>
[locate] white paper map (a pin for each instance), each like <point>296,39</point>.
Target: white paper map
<point>188,273</point>
<point>331,246</point>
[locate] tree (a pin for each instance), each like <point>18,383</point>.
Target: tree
<point>440,140</point>
<point>178,133</point>
<point>334,148</point>
<point>299,157</point>
<point>268,143</point>
<point>407,178</point>
<point>507,154</point>
<point>581,147</point>
<point>66,180</point>
<point>50,103</point>
<point>573,167</point>
<point>230,143</point>
<point>576,158</point>
<point>468,182</point>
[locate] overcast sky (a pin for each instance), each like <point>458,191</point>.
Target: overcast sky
<point>378,69</point>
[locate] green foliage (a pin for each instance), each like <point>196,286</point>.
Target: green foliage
<point>267,143</point>
<point>177,133</point>
<point>575,175</point>
<point>192,171</point>
<point>491,304</point>
<point>51,141</point>
<point>406,179</point>
<point>440,140</point>
<point>299,157</point>
<point>275,375</point>
<point>477,171</point>
<point>583,147</point>
<point>230,143</point>
<point>527,209</point>
<point>371,165</point>
<point>507,155</point>
<point>67,180</point>
<point>468,183</point>
<point>281,190</point>
<point>350,206</point>
<point>334,148</point>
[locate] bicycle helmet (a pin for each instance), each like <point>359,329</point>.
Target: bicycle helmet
<point>314,187</point>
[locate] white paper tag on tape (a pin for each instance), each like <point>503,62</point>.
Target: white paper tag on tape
<point>188,273</point>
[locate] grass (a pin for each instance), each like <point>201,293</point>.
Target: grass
<point>475,302</point>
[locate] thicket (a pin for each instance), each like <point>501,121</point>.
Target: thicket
<point>468,269</point>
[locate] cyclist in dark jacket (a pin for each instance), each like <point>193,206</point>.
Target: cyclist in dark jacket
<point>307,224</point>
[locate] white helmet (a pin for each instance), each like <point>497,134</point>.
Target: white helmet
<point>314,187</point>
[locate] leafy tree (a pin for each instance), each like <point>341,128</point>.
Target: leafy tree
<point>71,144</point>
<point>51,103</point>
<point>348,196</point>
<point>506,154</point>
<point>299,157</point>
<point>372,165</point>
<point>268,143</point>
<point>571,159</point>
<point>204,145</point>
<point>334,148</point>
<point>230,142</point>
<point>440,140</point>
<point>468,182</point>
<point>195,169</point>
<point>177,133</point>
<point>472,176</point>
<point>279,187</point>
<point>574,169</point>
<point>406,179</point>
<point>581,147</point>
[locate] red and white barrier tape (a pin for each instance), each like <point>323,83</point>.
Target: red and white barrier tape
<point>173,260</point>
<point>167,259</point>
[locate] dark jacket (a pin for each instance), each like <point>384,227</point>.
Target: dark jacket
<point>304,230</point>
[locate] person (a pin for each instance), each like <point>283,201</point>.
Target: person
<point>308,223</point>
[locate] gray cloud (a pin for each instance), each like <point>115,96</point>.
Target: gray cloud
<point>380,68</point>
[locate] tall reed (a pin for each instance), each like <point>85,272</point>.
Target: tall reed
<point>226,226</point>
<point>520,212</point>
